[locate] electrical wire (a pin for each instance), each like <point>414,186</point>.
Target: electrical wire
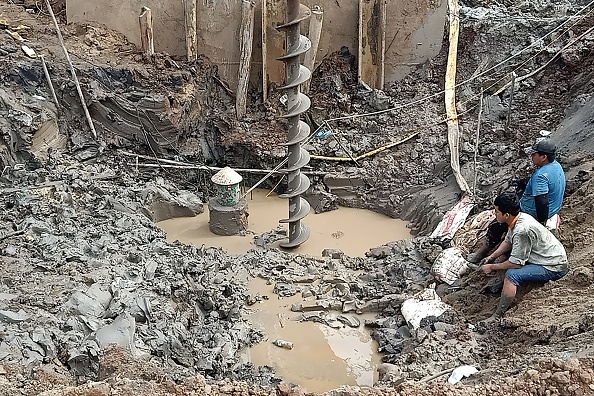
<point>503,62</point>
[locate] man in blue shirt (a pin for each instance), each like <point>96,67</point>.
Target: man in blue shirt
<point>542,197</point>
<point>544,191</point>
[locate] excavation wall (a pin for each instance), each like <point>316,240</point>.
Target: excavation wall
<point>414,31</point>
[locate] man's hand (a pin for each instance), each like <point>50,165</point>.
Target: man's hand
<point>488,268</point>
<point>487,260</point>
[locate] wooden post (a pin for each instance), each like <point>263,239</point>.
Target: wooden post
<point>72,71</point>
<point>315,32</point>
<point>146,32</point>
<point>450,97</point>
<point>273,43</point>
<point>372,42</point>
<point>247,38</point>
<point>264,49</point>
<point>190,22</point>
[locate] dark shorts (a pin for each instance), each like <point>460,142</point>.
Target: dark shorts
<point>532,273</point>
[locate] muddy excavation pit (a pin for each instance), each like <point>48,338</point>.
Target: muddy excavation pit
<point>111,282</point>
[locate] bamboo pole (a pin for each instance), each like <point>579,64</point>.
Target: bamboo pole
<point>450,97</point>
<point>434,376</point>
<point>73,72</point>
<point>50,84</point>
<point>247,38</point>
<point>210,168</point>
<point>368,154</point>
<point>180,165</point>
<point>315,32</point>
<point>191,36</point>
<point>510,102</point>
<point>146,31</point>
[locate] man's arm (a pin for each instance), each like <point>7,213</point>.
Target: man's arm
<point>488,268</point>
<point>541,202</point>
<point>504,247</point>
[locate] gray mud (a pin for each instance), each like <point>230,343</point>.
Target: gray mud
<point>83,264</point>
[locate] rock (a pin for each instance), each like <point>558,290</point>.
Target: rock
<point>333,253</point>
<point>379,252</point>
<point>389,372</point>
<point>161,205</point>
<point>285,389</point>
<point>120,332</point>
<point>322,201</point>
<point>349,320</point>
<point>440,326</point>
<point>421,335</point>
<point>13,317</point>
<point>561,377</point>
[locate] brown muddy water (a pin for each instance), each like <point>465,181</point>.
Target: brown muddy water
<point>354,231</point>
<point>322,358</point>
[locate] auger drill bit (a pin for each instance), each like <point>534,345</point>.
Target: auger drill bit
<point>297,104</point>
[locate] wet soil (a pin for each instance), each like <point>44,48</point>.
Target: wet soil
<point>84,266</point>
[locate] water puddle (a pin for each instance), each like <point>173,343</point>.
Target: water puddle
<point>354,231</point>
<point>322,358</point>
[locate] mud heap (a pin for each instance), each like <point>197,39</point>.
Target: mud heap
<point>84,267</point>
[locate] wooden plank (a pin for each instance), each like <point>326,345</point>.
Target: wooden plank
<point>247,38</point>
<point>315,32</point>
<point>450,97</point>
<point>146,32</point>
<point>372,42</point>
<point>264,7</point>
<point>190,24</point>
<point>273,43</point>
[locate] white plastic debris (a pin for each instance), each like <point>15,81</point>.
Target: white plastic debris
<point>29,51</point>
<point>453,219</point>
<point>545,133</point>
<point>449,266</point>
<point>423,304</point>
<point>461,372</point>
<point>283,344</point>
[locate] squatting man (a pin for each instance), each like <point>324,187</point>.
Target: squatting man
<point>541,194</point>
<point>533,253</point>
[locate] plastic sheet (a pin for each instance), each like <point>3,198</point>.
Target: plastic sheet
<point>453,219</point>
<point>450,265</point>
<point>461,372</point>
<point>423,304</point>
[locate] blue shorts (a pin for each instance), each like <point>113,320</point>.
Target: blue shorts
<point>532,273</point>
